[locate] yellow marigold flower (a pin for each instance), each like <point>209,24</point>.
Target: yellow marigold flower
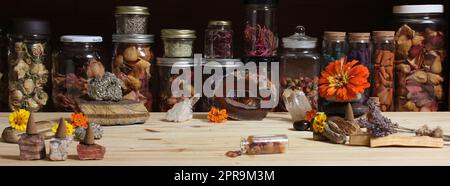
<point>69,128</point>
<point>319,123</point>
<point>19,119</point>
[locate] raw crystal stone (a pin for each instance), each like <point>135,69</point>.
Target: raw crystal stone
<point>32,147</point>
<point>80,132</point>
<point>182,111</point>
<point>90,152</point>
<point>106,88</point>
<point>58,149</point>
<point>296,103</point>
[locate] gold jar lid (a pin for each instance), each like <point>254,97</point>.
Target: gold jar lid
<point>359,36</point>
<point>332,35</point>
<point>178,33</point>
<point>136,10</point>
<point>219,23</point>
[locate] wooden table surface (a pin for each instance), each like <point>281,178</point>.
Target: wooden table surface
<point>198,142</point>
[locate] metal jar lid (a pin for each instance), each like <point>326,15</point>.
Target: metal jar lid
<point>178,33</point>
<point>418,9</point>
<point>133,38</point>
<point>24,26</point>
<point>180,62</point>
<point>135,10</point>
<point>80,39</point>
<point>219,23</point>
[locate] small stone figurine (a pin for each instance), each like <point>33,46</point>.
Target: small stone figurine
<point>32,144</point>
<point>87,149</point>
<point>60,144</point>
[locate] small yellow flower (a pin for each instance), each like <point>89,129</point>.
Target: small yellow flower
<point>69,128</point>
<point>19,119</point>
<point>319,123</point>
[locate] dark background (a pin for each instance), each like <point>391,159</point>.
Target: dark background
<point>96,17</point>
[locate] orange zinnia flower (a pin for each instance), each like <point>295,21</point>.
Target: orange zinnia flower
<point>343,80</point>
<point>217,116</point>
<point>79,120</point>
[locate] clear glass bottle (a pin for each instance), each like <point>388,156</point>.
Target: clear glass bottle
<point>420,58</point>
<point>300,65</point>
<point>132,61</point>
<point>219,40</point>
<point>260,33</point>
<point>78,60</point>
<point>132,19</point>
<point>28,57</point>
<point>383,68</point>
<point>178,43</point>
<point>264,144</point>
<point>360,49</point>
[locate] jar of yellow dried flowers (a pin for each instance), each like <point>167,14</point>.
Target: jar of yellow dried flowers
<point>421,67</point>
<point>132,63</point>
<point>28,58</point>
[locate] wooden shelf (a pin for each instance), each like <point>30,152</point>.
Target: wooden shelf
<point>198,142</point>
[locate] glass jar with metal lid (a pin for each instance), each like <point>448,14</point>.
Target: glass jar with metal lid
<point>420,58</point>
<point>300,65</point>
<point>132,61</point>
<point>132,19</point>
<point>219,40</point>
<point>178,43</point>
<point>78,61</point>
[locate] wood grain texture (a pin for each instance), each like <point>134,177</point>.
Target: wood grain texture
<point>198,142</point>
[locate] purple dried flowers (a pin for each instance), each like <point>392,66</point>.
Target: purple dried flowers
<point>219,44</point>
<point>377,125</point>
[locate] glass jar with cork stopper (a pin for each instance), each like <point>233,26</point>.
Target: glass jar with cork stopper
<point>383,68</point>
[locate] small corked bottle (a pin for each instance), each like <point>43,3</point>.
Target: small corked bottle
<point>60,144</point>
<point>264,144</point>
<point>32,144</point>
<point>87,149</point>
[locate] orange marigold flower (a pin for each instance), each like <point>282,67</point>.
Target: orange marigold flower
<point>343,80</point>
<point>311,115</point>
<point>79,120</point>
<point>217,116</point>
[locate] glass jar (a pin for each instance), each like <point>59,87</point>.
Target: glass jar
<point>334,46</point>
<point>182,78</point>
<point>383,68</point>
<point>28,57</point>
<point>132,19</point>
<point>260,33</point>
<point>264,144</point>
<point>219,40</point>
<point>360,49</point>
<point>178,43</point>
<point>300,66</point>
<point>78,61</point>
<point>132,61</point>
<point>420,63</point>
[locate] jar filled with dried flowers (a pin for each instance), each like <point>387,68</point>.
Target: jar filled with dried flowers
<point>131,19</point>
<point>78,60</point>
<point>178,43</point>
<point>300,65</point>
<point>383,68</point>
<point>219,40</point>
<point>260,32</point>
<point>420,63</point>
<point>132,61</point>
<point>28,57</point>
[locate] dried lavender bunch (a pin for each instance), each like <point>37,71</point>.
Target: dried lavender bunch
<point>377,125</point>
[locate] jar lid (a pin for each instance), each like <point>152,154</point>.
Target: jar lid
<point>385,34</point>
<point>270,2</point>
<point>299,39</point>
<point>359,36</point>
<point>219,23</point>
<point>133,38</point>
<point>418,9</point>
<point>227,63</point>
<point>181,62</point>
<point>333,35</point>
<point>137,10</point>
<point>80,39</point>
<point>30,27</point>
<point>177,33</point>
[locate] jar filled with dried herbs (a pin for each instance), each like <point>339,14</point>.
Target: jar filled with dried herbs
<point>260,32</point>
<point>383,71</point>
<point>420,58</point>
<point>219,40</point>
<point>28,57</point>
<point>78,61</point>
<point>132,61</point>
<point>300,65</point>
<point>178,43</point>
<point>132,19</point>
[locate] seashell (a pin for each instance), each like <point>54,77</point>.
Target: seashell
<point>131,54</point>
<point>134,83</point>
<point>32,105</point>
<point>435,79</point>
<point>404,68</point>
<point>28,86</point>
<point>436,67</point>
<point>21,69</point>
<point>438,92</point>
<point>418,76</point>
<point>118,61</point>
<point>411,106</point>
<point>417,40</point>
<point>95,69</point>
